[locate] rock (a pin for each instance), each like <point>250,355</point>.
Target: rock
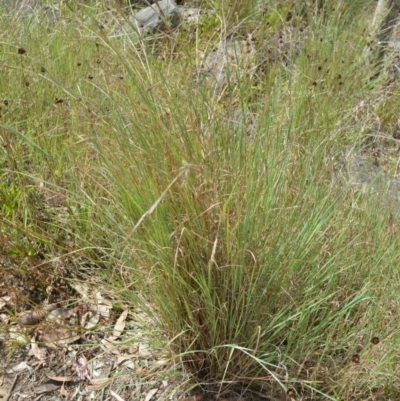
<point>230,57</point>
<point>148,20</point>
<point>193,15</point>
<point>365,176</point>
<point>390,35</point>
<point>364,173</point>
<point>391,20</point>
<point>155,16</point>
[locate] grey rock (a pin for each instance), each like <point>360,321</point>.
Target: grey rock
<point>192,15</point>
<point>366,177</point>
<point>149,20</point>
<point>166,14</point>
<point>152,17</point>
<point>229,57</point>
<point>363,172</point>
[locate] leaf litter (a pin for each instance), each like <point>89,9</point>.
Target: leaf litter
<point>63,348</point>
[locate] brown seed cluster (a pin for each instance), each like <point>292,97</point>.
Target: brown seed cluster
<point>375,340</point>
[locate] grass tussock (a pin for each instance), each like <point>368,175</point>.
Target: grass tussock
<point>219,212</point>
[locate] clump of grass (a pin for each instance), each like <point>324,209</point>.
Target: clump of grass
<point>252,262</point>
<point>256,264</point>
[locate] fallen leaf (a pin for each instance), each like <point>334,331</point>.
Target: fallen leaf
<point>21,337</point>
<point>129,364</point>
<point>4,317</point>
<point>107,344</point>
<point>162,362</point>
<point>82,290</point>
<point>19,368</point>
<point>97,368</point>
<point>59,336</point>
<point>120,324</point>
<point>38,363</point>
<point>92,322</point>
<point>4,301</point>
<point>144,351</point>
<point>116,396</point>
<point>99,384</point>
<point>64,392</point>
<point>60,378</point>
<point>31,318</point>
<point>103,306</point>
<point>36,351</point>
<point>47,387</point>
<point>60,315</point>
<point>22,395</point>
<point>123,358</point>
<point>150,394</point>
<point>34,317</point>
